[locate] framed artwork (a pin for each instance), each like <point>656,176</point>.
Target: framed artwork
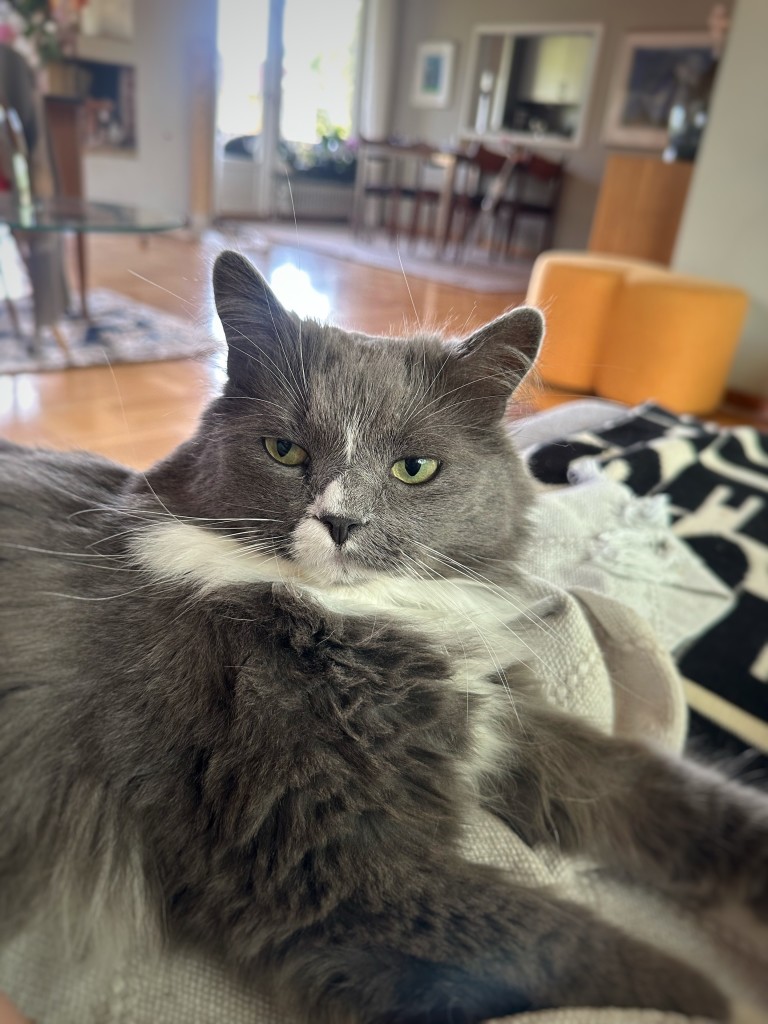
<point>110,19</point>
<point>652,69</point>
<point>433,76</point>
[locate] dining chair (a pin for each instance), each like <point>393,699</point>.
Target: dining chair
<point>533,191</point>
<point>391,172</point>
<point>428,189</point>
<point>373,181</point>
<point>485,172</point>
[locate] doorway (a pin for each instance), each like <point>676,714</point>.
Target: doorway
<point>319,44</point>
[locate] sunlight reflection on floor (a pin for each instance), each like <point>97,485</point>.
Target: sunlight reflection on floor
<point>297,293</point>
<point>295,290</point>
<point>19,398</point>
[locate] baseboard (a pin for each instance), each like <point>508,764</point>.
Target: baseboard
<point>757,405</point>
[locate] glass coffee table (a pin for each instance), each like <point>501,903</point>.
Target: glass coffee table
<point>38,226</point>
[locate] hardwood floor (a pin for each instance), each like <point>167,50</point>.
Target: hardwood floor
<point>136,413</point>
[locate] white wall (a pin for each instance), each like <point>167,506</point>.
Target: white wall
<point>454,20</point>
<point>724,232</point>
<point>379,52</point>
<point>158,174</point>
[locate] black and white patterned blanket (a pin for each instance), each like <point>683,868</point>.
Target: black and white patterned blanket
<point>716,480</point>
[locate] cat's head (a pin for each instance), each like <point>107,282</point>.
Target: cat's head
<point>369,454</point>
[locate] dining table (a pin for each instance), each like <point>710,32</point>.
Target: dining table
<point>401,162</point>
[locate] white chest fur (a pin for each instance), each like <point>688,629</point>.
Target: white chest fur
<point>473,623</point>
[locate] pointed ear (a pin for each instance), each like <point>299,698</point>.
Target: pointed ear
<point>252,316</point>
<point>495,360</point>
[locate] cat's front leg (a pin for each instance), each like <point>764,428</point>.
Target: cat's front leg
<point>664,821</point>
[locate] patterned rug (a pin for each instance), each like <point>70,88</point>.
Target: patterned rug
<point>120,331</point>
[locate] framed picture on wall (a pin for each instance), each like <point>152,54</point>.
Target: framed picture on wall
<point>107,19</point>
<point>652,70</point>
<point>433,75</point>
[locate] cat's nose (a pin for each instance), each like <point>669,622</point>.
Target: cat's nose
<point>339,528</point>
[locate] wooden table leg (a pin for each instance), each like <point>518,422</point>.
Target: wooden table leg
<point>82,269</point>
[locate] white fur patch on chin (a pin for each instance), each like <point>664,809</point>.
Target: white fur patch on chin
<point>322,561</point>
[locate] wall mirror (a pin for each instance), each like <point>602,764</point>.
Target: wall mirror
<point>531,82</point>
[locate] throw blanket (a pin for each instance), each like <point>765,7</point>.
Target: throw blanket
<point>716,482</point>
<point>602,660</point>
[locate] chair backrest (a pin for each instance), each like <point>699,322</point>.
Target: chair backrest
<point>480,168</point>
<point>488,161</point>
<point>65,126</point>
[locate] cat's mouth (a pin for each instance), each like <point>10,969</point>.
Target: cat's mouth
<point>323,560</point>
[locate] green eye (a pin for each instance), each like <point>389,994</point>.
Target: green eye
<point>285,452</point>
<point>415,470</point>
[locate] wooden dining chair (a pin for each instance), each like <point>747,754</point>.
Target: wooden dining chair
<point>485,172</point>
<point>65,126</point>
<point>376,181</point>
<point>392,173</point>
<point>427,192</point>
<point>533,191</point>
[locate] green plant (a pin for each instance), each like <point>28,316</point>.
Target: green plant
<point>37,25</point>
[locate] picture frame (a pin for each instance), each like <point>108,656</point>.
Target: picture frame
<point>648,71</point>
<point>433,75</point>
<point>108,19</point>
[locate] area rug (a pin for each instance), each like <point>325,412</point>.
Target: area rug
<point>119,331</point>
<point>473,270</point>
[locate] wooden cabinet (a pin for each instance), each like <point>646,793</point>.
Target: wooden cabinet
<point>639,207</point>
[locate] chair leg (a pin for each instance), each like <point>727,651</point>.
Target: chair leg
<point>431,220</point>
<point>469,219</point>
<point>413,231</point>
<point>495,238</point>
<point>60,340</point>
<point>394,215</point>
<point>13,315</point>
<point>82,270</point>
<point>510,230</point>
<point>548,234</point>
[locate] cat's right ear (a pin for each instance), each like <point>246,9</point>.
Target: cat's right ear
<point>494,361</point>
<point>258,328</point>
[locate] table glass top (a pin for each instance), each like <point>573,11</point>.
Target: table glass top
<point>79,215</point>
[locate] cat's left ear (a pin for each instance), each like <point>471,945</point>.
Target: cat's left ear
<point>254,320</point>
<point>496,359</point>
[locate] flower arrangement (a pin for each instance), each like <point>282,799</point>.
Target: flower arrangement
<point>41,30</point>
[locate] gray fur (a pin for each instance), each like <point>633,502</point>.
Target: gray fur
<point>244,770</point>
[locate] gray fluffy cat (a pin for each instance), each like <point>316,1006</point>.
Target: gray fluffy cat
<point>247,698</point>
